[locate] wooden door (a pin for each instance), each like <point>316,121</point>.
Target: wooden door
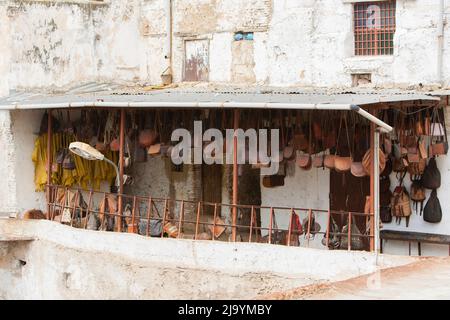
<point>211,186</point>
<point>348,193</point>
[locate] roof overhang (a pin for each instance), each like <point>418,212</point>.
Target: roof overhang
<point>107,96</point>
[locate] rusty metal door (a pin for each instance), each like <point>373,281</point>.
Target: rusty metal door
<point>196,60</point>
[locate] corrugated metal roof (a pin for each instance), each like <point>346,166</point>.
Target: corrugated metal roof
<point>115,93</point>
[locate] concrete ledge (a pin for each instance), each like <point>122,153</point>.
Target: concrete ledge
<point>221,256</point>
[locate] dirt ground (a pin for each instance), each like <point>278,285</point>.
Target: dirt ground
<point>426,279</point>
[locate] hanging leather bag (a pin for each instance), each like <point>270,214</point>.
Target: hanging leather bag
<point>401,204</point>
<point>68,162</point>
<point>419,125</point>
<point>300,141</point>
<point>417,196</point>
<point>147,137</point>
<point>304,160</point>
<point>439,144</point>
<point>367,161</point>
<point>343,164</point>
<point>356,240</point>
<point>431,178</point>
<point>432,212</point>
<point>289,151</point>
<point>416,169</point>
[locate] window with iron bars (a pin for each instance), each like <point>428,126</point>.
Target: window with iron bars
<point>374,24</point>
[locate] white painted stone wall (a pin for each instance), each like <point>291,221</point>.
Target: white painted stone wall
<point>302,189</point>
<point>301,43</point>
<point>417,224</point>
<point>296,43</point>
<point>69,263</point>
<point>25,129</point>
<point>8,201</point>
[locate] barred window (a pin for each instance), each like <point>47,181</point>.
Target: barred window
<point>374,28</point>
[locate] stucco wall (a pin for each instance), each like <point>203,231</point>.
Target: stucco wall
<point>417,224</point>
<point>68,263</point>
<point>7,169</point>
<point>302,189</point>
<point>25,130</point>
<point>302,43</point>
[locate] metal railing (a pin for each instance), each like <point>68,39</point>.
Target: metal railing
<point>160,217</point>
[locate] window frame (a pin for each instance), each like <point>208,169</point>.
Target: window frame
<point>370,38</point>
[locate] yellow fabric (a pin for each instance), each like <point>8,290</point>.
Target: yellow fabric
<point>86,174</point>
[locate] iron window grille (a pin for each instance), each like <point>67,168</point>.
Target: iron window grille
<point>374,25</point>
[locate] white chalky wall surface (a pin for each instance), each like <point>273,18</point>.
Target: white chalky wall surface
<point>296,43</point>
<point>68,263</point>
<point>302,43</point>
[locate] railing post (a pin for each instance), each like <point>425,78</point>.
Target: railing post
<point>133,212</point>
<point>75,200</point>
<point>214,222</point>
<point>164,217</point>
<point>181,218</point>
<point>88,209</point>
<point>198,219</point>
<point>349,232</point>
<point>270,224</point>
<point>309,225</point>
<point>328,228</point>
<point>290,227</point>
<point>251,223</point>
<point>149,212</point>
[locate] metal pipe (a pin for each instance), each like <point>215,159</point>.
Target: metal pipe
<point>385,127</point>
<point>231,105</point>
<point>121,166</point>
<point>168,54</point>
<point>376,199</point>
<point>440,37</point>
<point>235,175</point>
<point>49,159</point>
<point>373,151</point>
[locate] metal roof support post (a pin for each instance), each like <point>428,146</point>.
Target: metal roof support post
<point>121,168</point>
<point>49,159</point>
<point>372,182</point>
<point>376,199</point>
<point>235,175</point>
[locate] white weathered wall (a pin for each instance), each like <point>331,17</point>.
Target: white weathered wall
<point>302,189</point>
<point>302,43</point>
<point>8,201</point>
<point>25,128</point>
<point>68,263</point>
<point>416,223</point>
